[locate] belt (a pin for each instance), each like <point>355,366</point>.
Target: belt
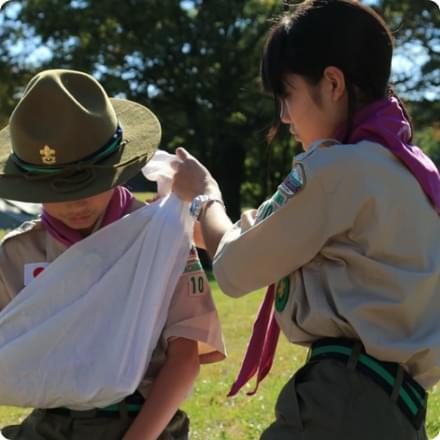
<point>132,404</point>
<point>409,395</point>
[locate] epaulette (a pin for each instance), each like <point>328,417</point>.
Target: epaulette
<point>314,147</point>
<point>24,228</point>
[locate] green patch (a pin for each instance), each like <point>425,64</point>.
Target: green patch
<point>279,198</point>
<point>194,266</point>
<point>282,294</point>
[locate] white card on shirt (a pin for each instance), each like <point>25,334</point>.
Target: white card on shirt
<point>32,270</point>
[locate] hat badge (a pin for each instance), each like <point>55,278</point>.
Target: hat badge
<point>48,155</point>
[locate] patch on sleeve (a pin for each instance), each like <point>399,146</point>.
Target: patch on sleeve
<point>193,266</point>
<point>290,186</point>
<point>197,284</point>
<point>197,280</point>
<point>32,270</point>
<point>294,181</point>
<point>282,294</point>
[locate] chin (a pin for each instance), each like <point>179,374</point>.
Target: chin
<point>79,226</point>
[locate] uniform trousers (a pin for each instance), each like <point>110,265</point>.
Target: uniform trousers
<point>328,400</point>
<point>87,425</point>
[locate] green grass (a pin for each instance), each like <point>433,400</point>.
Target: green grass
<point>213,415</point>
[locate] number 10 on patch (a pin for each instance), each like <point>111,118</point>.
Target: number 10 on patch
<point>196,285</point>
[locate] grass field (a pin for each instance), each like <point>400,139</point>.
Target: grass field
<point>215,417</point>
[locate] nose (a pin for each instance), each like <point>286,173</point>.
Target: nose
<point>77,205</point>
<point>284,113</point>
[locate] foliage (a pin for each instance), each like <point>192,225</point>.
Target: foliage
<point>429,140</point>
<point>416,28</point>
<point>195,63</point>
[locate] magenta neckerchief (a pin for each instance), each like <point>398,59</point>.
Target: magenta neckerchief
<point>261,347</point>
<point>117,208</point>
<point>384,122</point>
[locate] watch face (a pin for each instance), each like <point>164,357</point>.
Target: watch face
<point>198,202</point>
<point>196,206</point>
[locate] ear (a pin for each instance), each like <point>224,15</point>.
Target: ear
<point>335,82</point>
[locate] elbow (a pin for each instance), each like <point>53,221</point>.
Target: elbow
<point>223,279</point>
<point>190,368</point>
<point>193,362</point>
<point>183,359</point>
<point>228,289</point>
<point>195,367</point>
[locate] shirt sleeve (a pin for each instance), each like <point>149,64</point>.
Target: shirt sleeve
<point>193,315</point>
<point>7,285</point>
<point>4,297</point>
<point>250,258</point>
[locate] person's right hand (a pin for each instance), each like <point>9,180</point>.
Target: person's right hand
<point>192,178</point>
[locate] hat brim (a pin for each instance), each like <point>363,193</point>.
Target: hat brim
<point>141,134</point>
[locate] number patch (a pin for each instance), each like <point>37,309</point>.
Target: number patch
<point>197,284</point>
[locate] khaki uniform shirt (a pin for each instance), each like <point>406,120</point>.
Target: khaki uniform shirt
<point>26,251</point>
<point>359,246</point>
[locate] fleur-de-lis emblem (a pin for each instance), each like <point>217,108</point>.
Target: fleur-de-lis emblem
<point>48,156</point>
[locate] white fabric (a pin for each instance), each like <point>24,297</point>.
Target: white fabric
<point>82,333</point>
<point>160,170</point>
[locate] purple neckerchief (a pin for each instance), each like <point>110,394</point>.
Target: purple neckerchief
<point>384,122</point>
<point>117,207</point>
<point>260,351</point>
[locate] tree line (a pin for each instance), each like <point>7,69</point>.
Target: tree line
<point>195,63</point>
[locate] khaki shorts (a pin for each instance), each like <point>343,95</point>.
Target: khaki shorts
<point>327,400</point>
<point>44,425</point>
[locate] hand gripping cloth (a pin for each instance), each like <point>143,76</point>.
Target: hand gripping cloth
<point>82,333</point>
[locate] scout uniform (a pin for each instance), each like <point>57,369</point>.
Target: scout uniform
<point>24,254</point>
<point>350,265</point>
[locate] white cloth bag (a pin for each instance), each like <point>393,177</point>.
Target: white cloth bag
<point>82,333</point>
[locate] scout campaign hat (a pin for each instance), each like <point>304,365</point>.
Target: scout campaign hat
<point>67,140</point>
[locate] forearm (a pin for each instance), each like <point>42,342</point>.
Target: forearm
<point>168,391</point>
<point>192,179</point>
<point>214,222</point>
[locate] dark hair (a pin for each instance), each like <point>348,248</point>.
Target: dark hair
<point>321,33</point>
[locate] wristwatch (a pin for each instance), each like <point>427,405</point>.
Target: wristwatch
<point>199,202</point>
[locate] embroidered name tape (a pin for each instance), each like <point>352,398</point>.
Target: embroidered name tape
<point>290,186</point>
